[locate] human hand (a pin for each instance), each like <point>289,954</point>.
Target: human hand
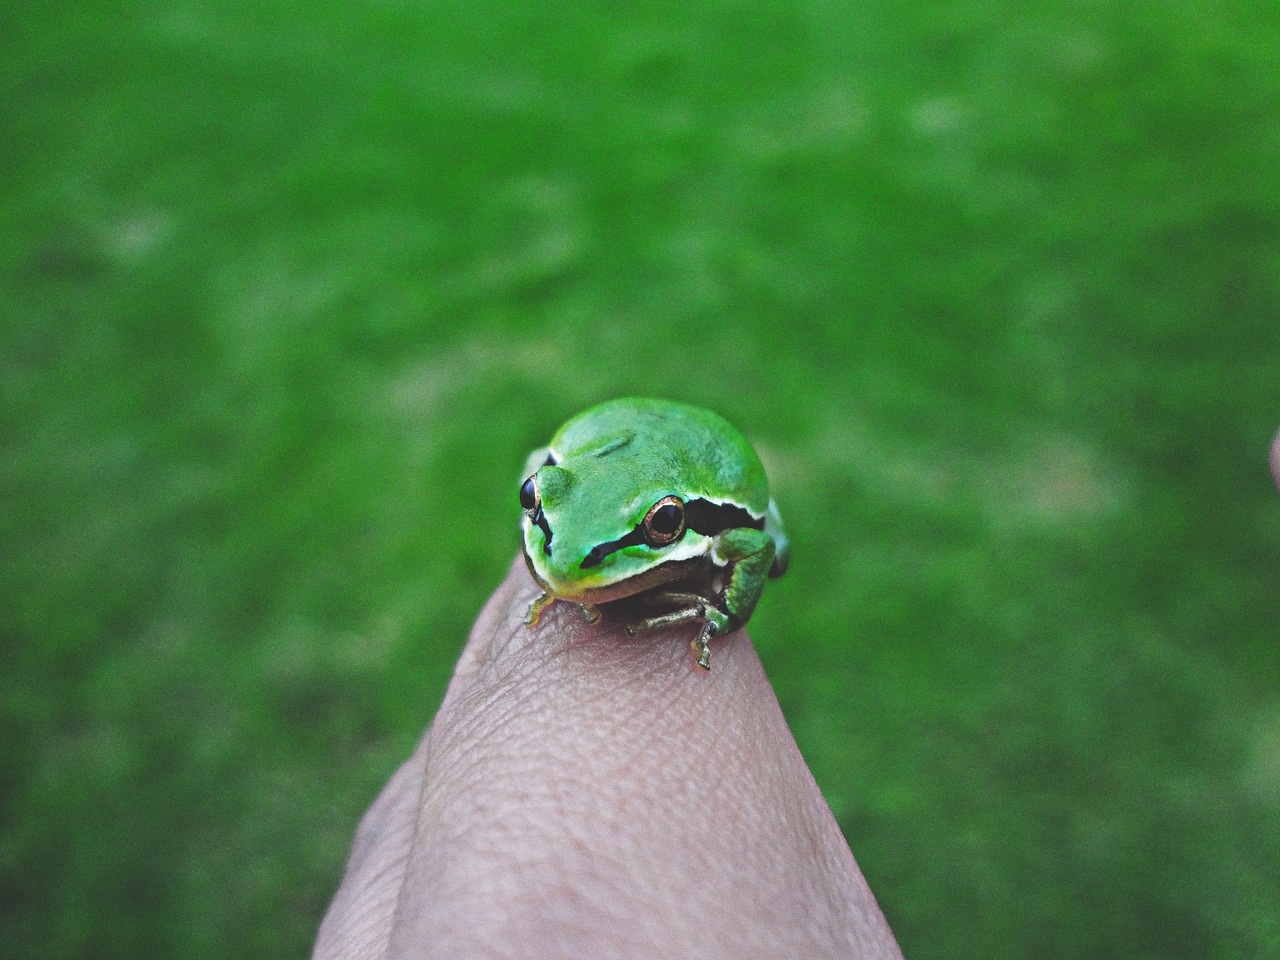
<point>583,793</point>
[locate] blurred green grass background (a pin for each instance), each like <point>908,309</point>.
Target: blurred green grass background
<point>290,290</point>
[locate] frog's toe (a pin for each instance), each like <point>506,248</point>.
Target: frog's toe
<point>536,606</point>
<point>702,646</point>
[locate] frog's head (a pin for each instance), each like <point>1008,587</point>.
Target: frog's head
<point>595,531</point>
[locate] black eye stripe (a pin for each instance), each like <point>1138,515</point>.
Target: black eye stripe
<point>540,519</point>
<point>701,516</point>
<point>709,518</point>
<point>598,553</point>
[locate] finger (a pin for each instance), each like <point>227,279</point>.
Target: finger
<point>588,794</point>
<point>358,923</point>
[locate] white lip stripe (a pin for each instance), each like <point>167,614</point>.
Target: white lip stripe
<point>692,545</point>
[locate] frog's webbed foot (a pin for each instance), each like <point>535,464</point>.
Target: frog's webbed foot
<point>590,612</point>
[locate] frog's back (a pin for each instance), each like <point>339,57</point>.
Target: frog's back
<point>699,449</point>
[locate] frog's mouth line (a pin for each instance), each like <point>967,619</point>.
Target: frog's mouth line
<point>604,591</point>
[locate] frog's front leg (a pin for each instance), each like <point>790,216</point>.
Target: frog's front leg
<point>748,554</point>
<point>589,611</point>
<point>691,606</point>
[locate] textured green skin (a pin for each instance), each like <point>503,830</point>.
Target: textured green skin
<point>614,462</point>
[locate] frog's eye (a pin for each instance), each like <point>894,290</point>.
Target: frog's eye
<point>664,523</point>
<point>529,495</point>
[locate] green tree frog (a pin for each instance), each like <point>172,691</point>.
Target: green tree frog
<point>658,498</point>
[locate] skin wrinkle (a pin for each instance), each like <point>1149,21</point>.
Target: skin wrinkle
<point>359,924</point>
<point>644,721</point>
<point>584,794</point>
<point>419,767</point>
<point>631,736</point>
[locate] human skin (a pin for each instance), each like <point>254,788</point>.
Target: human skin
<point>585,794</point>
<point>1275,460</point>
